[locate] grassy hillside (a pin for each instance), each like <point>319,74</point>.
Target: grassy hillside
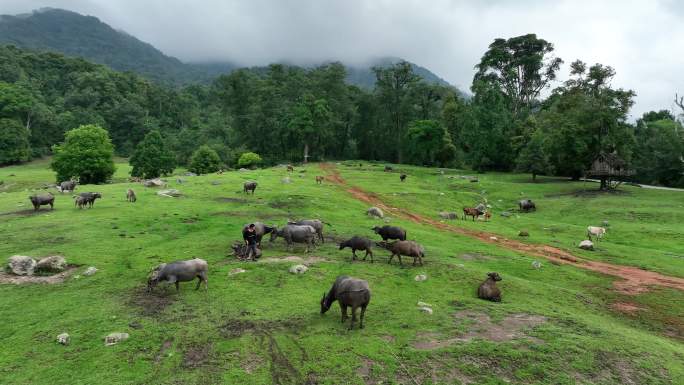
<point>559,324</point>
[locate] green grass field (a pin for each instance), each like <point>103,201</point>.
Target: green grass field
<point>556,325</point>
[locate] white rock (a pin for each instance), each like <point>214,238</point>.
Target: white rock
<point>115,338</point>
<point>170,193</point>
<point>286,180</point>
<point>425,309</point>
<point>421,277</point>
<point>90,271</point>
<point>375,212</point>
<point>21,265</point>
<point>298,269</point>
<point>586,245</point>
<point>237,271</point>
<point>423,304</point>
<point>494,238</point>
<point>52,264</point>
<point>536,264</point>
<point>63,339</point>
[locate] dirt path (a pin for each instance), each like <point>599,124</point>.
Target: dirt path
<point>632,279</point>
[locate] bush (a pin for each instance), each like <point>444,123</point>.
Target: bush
<point>204,160</point>
<point>249,159</point>
<point>14,142</point>
<point>87,153</point>
<point>151,157</point>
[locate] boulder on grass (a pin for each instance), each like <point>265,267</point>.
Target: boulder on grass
<point>447,215</point>
<point>523,233</point>
<point>63,339</point>
<point>52,264</point>
<point>154,183</point>
<point>21,265</point>
<point>90,271</point>
<point>170,193</point>
<point>586,245</point>
<point>298,269</point>
<point>421,277</point>
<point>115,338</point>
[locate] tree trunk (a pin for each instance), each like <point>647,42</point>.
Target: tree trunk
<point>534,177</point>
<point>306,152</point>
<point>604,185</point>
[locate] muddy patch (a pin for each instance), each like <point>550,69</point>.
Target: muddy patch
<point>612,369</point>
<point>474,257</point>
<point>289,202</point>
<point>6,278</point>
<point>365,371</point>
<point>196,356</point>
<point>231,200</point>
<point>251,362</point>
<point>295,258</point>
<point>626,307</point>
<point>24,213</point>
<point>166,345</point>
<point>150,304</point>
<point>480,326</point>
<point>238,327</point>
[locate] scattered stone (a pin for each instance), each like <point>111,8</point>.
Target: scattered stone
<point>154,183</point>
<point>242,169</point>
<point>506,214</point>
<point>586,245</point>
<point>173,193</point>
<point>298,269</point>
<point>375,212</point>
<point>523,234</point>
<point>423,304</point>
<point>190,174</point>
<point>215,183</point>
<point>180,181</point>
<point>135,325</point>
<point>52,264</point>
<point>425,309</point>
<point>536,265</point>
<point>90,271</point>
<point>448,215</point>
<point>63,339</point>
<point>286,180</point>
<point>237,271</point>
<point>115,338</point>
<point>494,238</point>
<point>421,277</point>
<point>605,224</point>
<point>21,265</point>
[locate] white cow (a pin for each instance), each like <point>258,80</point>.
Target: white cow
<point>596,232</point>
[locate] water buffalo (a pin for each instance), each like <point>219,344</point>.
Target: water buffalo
<point>90,197</point>
<point>260,229</point>
<point>358,243</point>
<point>315,223</point>
<point>349,292</point>
<point>527,205</point>
<point>295,234</point>
<point>597,232</point>
<point>388,168</point>
<point>471,211</point>
<point>180,271</point>
<point>375,212</point>
<point>249,186</point>
<point>319,179</point>
<point>130,195</point>
<point>488,289</point>
<point>67,186</point>
<point>390,232</point>
<point>290,168</point>
<point>80,201</point>
<point>42,200</point>
<point>407,248</point>
<point>402,177</point>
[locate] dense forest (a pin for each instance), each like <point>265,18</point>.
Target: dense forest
<point>509,123</point>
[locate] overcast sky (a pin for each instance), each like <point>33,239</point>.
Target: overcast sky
<point>643,40</point>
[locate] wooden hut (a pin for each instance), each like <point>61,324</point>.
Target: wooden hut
<point>609,167</point>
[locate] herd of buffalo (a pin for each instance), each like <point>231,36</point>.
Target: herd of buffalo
<point>348,291</point>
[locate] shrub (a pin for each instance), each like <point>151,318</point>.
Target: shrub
<point>249,159</point>
<point>204,160</point>
<point>151,157</point>
<point>87,153</point>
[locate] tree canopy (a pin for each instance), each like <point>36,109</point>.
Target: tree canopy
<point>86,154</point>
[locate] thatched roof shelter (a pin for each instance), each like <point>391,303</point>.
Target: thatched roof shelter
<point>610,166</point>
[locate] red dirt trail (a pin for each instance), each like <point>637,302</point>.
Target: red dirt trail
<point>632,279</point>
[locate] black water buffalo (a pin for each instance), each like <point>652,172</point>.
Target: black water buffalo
<point>488,289</point>
<point>527,205</point>
<point>349,292</point>
<point>407,248</point>
<point>180,271</point>
<point>42,200</point>
<point>315,223</point>
<point>358,243</point>
<point>402,177</point>
<point>260,229</point>
<point>295,234</point>
<point>390,232</point>
<point>249,186</point>
<point>90,197</point>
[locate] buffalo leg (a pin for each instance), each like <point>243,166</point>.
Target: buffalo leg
<point>353,318</point>
<point>363,312</point>
<point>343,308</point>
<point>400,262</point>
<point>177,288</point>
<point>390,260</point>
<point>354,255</point>
<point>371,254</point>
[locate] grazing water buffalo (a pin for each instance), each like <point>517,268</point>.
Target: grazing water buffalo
<point>597,232</point>
<point>249,186</point>
<point>260,229</point>
<point>315,223</point>
<point>375,212</point>
<point>402,177</point>
<point>358,243</point>
<point>319,179</point>
<point>488,289</point>
<point>390,232</point>
<point>90,197</point>
<point>130,195</point>
<point>42,200</point>
<point>349,292</point>
<point>295,234</point>
<point>471,211</point>
<point>67,186</point>
<point>290,168</point>
<point>526,205</point>
<point>180,271</point>
<point>80,201</point>
<point>388,168</point>
<point>407,248</point>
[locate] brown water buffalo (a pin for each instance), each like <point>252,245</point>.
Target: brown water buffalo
<point>349,292</point>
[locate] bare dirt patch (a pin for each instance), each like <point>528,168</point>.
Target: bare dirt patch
<point>251,363</point>
<point>166,345</point>
<point>474,257</point>
<point>45,279</point>
<point>294,258</point>
<point>231,200</point>
<point>196,356</point>
<point>150,304</point>
<point>480,326</point>
<point>365,370</point>
<point>25,213</point>
<point>626,307</point>
<point>632,280</point>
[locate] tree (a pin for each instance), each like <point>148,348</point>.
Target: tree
<point>659,157</point>
<point>428,143</point>
<point>533,157</point>
<point>151,157</point>
<point>204,161</point>
<point>14,142</point>
<point>249,159</point>
<point>521,67</point>
<point>87,153</point>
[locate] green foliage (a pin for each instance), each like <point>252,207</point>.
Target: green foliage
<point>204,161</point>
<point>249,159</point>
<point>87,153</point>
<point>14,143</point>
<point>151,157</point>
<point>659,157</point>
<point>428,143</point>
<point>533,157</point>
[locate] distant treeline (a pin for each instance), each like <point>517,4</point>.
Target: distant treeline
<point>279,112</point>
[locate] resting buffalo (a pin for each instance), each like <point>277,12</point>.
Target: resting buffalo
<point>249,186</point>
<point>295,234</point>
<point>390,232</point>
<point>348,292</point>
<point>180,271</point>
<point>407,248</point>
<point>315,223</point>
<point>488,289</point>
<point>42,200</point>
<point>527,205</point>
<point>358,243</point>
<point>260,229</point>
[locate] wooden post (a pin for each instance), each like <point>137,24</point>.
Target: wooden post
<point>306,152</point>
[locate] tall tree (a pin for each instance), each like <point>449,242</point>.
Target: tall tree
<point>151,157</point>
<point>87,153</point>
<point>429,144</point>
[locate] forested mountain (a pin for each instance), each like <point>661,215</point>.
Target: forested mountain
<point>74,34</point>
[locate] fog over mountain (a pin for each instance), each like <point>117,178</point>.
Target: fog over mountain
<point>640,39</point>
